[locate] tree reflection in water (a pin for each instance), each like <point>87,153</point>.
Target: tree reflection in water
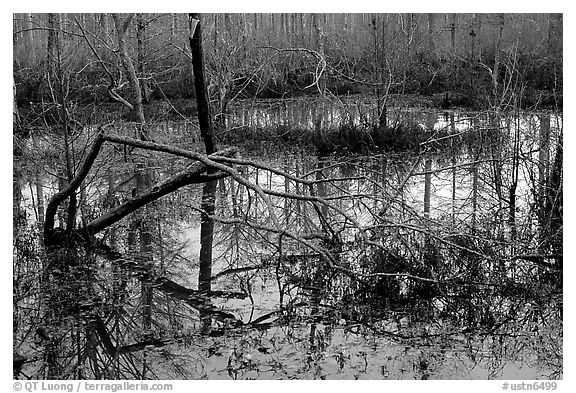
<point>388,266</point>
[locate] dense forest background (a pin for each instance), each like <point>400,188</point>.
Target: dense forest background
<point>472,60</point>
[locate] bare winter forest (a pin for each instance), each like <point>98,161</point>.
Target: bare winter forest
<point>287,196</point>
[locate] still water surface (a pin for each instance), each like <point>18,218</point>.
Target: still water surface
<point>303,320</point>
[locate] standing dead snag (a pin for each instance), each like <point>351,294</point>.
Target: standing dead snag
<point>207,133</point>
<point>202,99</point>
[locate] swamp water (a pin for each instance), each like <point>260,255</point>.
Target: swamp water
<point>389,266</point>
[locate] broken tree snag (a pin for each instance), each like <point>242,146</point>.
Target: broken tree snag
<point>202,99</point>
<point>207,132</point>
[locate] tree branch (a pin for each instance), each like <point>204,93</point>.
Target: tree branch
<point>192,175</point>
<point>60,196</point>
<point>112,85</point>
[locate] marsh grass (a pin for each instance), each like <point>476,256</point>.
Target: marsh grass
<point>342,139</point>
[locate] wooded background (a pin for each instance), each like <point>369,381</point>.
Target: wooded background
<point>263,54</point>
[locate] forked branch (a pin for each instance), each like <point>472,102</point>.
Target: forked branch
<point>196,173</point>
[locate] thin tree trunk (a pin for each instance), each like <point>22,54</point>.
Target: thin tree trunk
<point>111,204</point>
<point>473,33</point>
<point>496,153</point>
<point>16,38</point>
<point>382,107</point>
<point>202,99</point>
<point>29,38</point>
<point>378,67</point>
<point>453,131</point>
<point>554,42</point>
<point>173,24</point>
<point>287,211</point>
<point>431,43</point>
<point>138,112</point>
<point>284,17</point>
<point>207,235</point>
<point>53,44</point>
<point>553,232</point>
<point>319,44</point>
<point>496,70</point>
<point>56,79</point>
<point>242,28</point>
<point>105,25</point>
<point>543,165</point>
<point>453,20</point>
<point>475,42</point>
<point>215,30</point>
<point>143,175</point>
<point>209,189</point>
<point>144,225</point>
<point>321,188</point>
<point>39,200</point>
<point>427,186</point>
<point>227,25</point>
<point>516,142</point>
<point>141,39</point>
<point>474,195</point>
<point>16,169</point>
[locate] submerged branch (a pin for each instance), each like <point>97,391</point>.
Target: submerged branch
<point>113,350</point>
<point>198,300</point>
<point>194,299</point>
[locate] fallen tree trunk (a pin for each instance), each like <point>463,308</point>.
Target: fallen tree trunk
<point>196,173</point>
<point>60,196</point>
<point>193,175</point>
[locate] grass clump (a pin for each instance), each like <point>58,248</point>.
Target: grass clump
<point>342,139</point>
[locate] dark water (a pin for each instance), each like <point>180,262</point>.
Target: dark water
<point>391,266</point>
